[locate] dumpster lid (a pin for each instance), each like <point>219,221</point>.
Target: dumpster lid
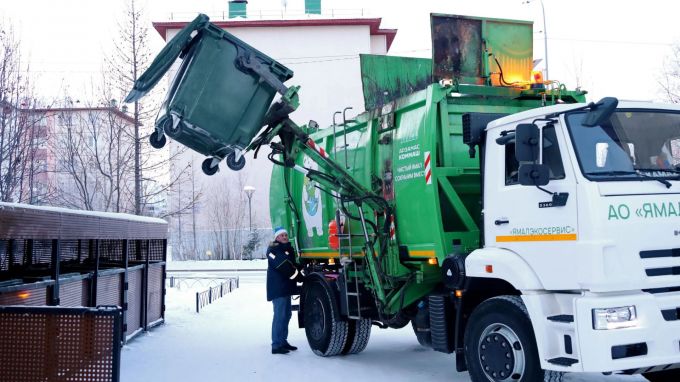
<point>165,59</point>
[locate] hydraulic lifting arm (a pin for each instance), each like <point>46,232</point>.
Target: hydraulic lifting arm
<point>331,175</point>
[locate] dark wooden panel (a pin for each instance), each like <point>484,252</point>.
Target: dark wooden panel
<point>59,344</point>
<point>18,221</point>
<point>108,289</point>
<point>86,292</point>
<point>134,300</point>
<point>31,297</point>
<point>71,293</point>
<point>155,291</point>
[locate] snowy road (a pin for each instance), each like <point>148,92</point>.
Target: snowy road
<point>230,341</point>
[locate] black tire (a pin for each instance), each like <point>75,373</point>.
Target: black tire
<point>171,130</point>
<point>663,376</point>
<point>157,140</point>
<point>399,321</point>
<point>500,344</point>
<point>207,168</point>
<point>423,335</point>
<point>326,333</point>
<point>233,164</point>
<point>358,334</point>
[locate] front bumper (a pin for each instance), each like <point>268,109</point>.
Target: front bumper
<point>655,341</point>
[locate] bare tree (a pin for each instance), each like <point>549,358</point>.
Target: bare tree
<point>185,194</point>
<point>670,80</point>
<point>131,56</point>
<point>228,213</point>
<point>21,131</point>
<point>95,157</point>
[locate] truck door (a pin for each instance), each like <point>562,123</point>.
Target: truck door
<point>521,218</point>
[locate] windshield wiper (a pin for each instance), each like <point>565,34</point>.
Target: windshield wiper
<point>653,169</point>
<point>659,178</point>
<point>613,172</point>
<point>638,171</point>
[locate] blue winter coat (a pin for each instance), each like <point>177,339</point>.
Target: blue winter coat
<point>281,270</point>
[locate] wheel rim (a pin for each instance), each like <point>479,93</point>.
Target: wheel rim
<point>317,316</point>
<point>501,353</point>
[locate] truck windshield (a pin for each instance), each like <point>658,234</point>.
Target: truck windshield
<point>631,145</point>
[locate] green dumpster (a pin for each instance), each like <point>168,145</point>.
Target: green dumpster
<point>219,96</point>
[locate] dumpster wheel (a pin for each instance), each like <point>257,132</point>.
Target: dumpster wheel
<point>172,127</point>
<point>208,167</point>
<point>157,140</point>
<point>234,164</point>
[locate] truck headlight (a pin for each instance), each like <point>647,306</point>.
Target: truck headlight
<point>614,318</point>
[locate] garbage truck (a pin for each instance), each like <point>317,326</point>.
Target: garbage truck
<point>507,221</point>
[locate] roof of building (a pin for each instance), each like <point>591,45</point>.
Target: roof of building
<point>373,23</point>
<point>119,113</point>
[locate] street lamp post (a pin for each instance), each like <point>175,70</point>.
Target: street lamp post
<point>250,190</point>
<point>545,37</point>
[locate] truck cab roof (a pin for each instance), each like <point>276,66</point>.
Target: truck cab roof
<point>541,112</point>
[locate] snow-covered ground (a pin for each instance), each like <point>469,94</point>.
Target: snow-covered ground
<point>230,341</point>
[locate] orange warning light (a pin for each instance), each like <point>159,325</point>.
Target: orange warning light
<point>24,295</point>
<point>432,261</point>
<point>489,269</point>
<point>536,77</point>
<point>331,261</point>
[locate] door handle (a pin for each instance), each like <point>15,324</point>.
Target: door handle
<point>501,221</point>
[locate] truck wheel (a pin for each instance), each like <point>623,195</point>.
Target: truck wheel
<point>326,333</point>
<point>399,321</point>
<point>500,344</point>
<point>233,164</point>
<point>423,335</point>
<point>663,376</point>
<point>358,333</point>
<point>157,140</point>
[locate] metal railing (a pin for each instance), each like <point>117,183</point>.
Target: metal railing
<point>209,296</point>
<point>196,282</point>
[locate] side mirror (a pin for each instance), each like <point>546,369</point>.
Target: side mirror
<point>600,112</point>
<point>527,141</point>
<point>533,174</point>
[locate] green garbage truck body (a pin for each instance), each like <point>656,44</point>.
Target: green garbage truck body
<point>411,153</point>
<point>505,220</point>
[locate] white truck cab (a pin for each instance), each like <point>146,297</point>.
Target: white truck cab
<point>586,225</point>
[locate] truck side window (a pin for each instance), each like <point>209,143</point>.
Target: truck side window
<point>551,157</point>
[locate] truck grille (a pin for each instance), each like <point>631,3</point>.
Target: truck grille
<point>661,253</point>
<point>666,271</point>
<point>671,314</point>
<point>674,252</point>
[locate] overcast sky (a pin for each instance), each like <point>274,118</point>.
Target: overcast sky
<point>611,48</point>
